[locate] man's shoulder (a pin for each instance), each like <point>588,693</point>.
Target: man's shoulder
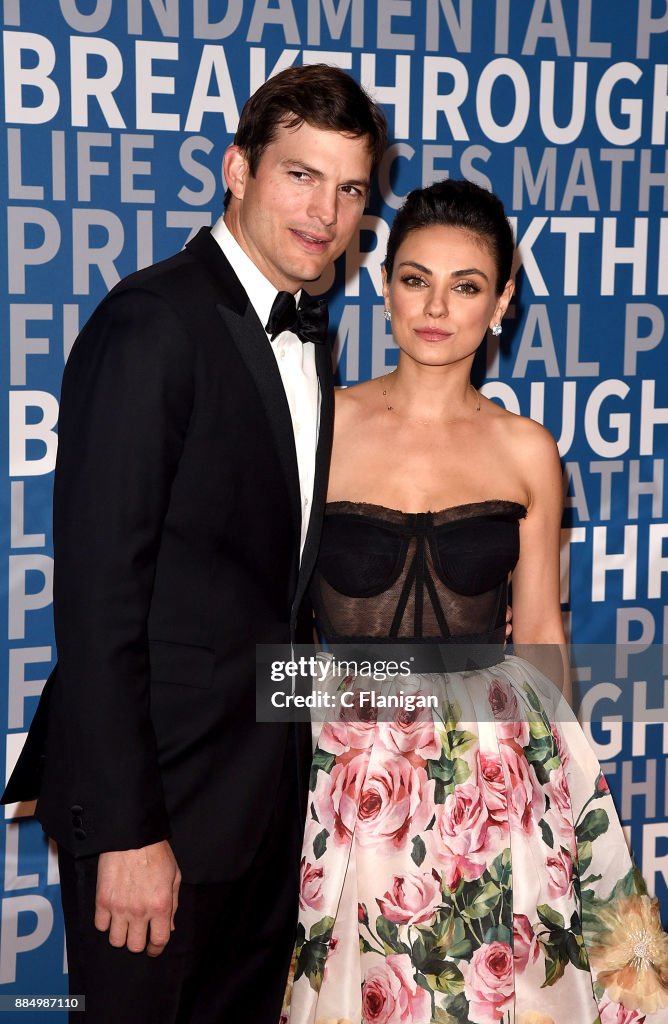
<point>170,307</point>
<point>189,276</point>
<point>175,275</point>
<point>151,302</point>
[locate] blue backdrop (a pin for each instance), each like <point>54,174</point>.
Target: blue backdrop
<point>117,114</point>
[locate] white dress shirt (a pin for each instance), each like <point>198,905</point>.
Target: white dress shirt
<point>296,365</point>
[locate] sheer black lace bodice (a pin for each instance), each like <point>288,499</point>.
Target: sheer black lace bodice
<point>389,575</point>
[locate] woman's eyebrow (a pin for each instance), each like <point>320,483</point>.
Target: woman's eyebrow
<point>470,270</point>
<point>418,266</point>
<point>453,273</point>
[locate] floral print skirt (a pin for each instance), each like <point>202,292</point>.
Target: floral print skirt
<point>471,867</point>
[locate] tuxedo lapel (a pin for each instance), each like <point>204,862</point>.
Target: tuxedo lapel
<point>248,335</point>
<point>253,346</point>
<point>323,357</point>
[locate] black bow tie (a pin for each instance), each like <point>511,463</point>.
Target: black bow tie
<point>309,321</point>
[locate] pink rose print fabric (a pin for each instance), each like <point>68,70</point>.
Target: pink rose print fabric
<point>488,982</point>
<point>469,868</point>
<point>394,802</point>
<point>390,994</point>
<point>412,899</point>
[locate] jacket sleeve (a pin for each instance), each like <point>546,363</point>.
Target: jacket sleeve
<point>125,405</point>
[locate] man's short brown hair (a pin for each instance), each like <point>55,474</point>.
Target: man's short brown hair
<point>320,95</point>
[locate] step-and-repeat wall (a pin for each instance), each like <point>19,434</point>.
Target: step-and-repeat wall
<point>117,114</point>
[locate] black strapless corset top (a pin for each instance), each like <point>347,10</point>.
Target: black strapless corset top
<point>440,576</point>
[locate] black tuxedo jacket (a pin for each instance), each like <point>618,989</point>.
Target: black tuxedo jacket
<point>177,519</point>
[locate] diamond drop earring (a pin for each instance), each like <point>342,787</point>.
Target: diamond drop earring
<point>496,330</point>
<point>387,314</point>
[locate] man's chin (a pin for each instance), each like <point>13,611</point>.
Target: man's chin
<point>309,273</point>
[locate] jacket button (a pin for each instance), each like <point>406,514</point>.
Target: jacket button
<point>79,833</point>
<point>77,821</point>
<point>76,808</point>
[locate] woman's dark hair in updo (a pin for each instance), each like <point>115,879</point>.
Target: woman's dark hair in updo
<point>457,204</point>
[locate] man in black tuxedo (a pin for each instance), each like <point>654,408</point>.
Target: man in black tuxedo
<point>194,441</point>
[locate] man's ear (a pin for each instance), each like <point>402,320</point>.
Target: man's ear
<point>236,171</point>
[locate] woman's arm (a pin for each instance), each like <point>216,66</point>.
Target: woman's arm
<point>538,631</point>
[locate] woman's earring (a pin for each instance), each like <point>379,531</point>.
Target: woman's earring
<point>496,330</point>
<point>387,314</point>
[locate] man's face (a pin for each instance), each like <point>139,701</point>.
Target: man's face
<point>299,211</point>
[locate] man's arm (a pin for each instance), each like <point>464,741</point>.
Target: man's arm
<point>137,896</point>
<point>125,406</point>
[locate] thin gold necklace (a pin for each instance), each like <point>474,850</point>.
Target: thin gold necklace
<point>390,408</point>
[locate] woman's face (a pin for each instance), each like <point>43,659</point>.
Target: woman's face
<point>442,294</point>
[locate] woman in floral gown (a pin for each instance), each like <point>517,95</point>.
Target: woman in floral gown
<point>467,866</point>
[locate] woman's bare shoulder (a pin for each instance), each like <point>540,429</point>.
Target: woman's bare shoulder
<point>532,438</point>
<point>529,451</point>
<point>357,399</point>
